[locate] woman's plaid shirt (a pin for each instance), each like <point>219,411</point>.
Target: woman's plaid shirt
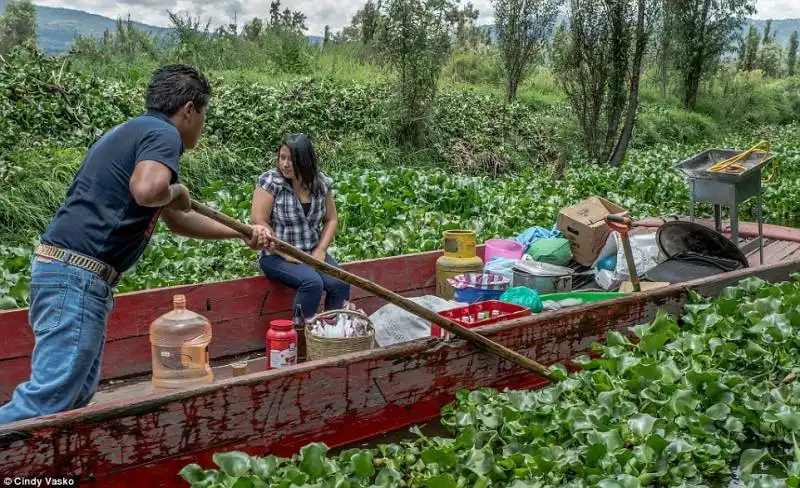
<point>288,221</point>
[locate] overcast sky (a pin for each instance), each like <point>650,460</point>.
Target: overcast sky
<point>319,12</point>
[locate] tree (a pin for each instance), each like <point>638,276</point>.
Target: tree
<point>327,37</point>
<point>17,25</point>
<point>748,57</point>
<point>275,13</point>
<point>522,28</point>
<point>253,30</point>
<point>770,59</point>
<point>468,35</point>
<point>791,57</point>
<point>370,21</point>
<point>769,34</point>
<point>598,63</point>
<point>414,37</point>
<point>704,30</point>
<point>286,20</point>
<point>348,33</point>
<point>663,31</point>
<point>127,42</point>
<point>298,23</point>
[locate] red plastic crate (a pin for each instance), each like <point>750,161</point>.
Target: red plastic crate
<point>497,312</point>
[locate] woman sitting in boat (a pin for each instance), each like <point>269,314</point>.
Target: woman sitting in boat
<point>295,201</point>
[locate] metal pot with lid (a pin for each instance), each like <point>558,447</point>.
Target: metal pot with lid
<point>543,277</point>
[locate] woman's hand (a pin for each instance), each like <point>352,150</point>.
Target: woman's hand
<point>261,239</point>
<point>319,254</point>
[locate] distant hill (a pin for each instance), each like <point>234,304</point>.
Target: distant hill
<point>58,27</point>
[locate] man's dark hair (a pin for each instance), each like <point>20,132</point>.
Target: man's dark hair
<point>304,159</point>
<point>173,86</point>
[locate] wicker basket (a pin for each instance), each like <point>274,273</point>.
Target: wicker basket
<point>324,347</point>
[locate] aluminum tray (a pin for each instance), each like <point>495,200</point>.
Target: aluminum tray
<point>697,166</point>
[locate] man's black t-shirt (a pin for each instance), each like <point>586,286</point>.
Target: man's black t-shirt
<point>99,217</point>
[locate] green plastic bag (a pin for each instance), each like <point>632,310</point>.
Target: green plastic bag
<point>553,250</point>
<point>522,295</point>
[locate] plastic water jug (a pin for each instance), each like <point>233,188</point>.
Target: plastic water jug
<point>179,340</point>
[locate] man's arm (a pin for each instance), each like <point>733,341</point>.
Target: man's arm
<point>150,187</point>
<point>192,224</point>
<point>150,184</point>
<point>156,162</point>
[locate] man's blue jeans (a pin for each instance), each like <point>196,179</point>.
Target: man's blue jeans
<point>69,309</point>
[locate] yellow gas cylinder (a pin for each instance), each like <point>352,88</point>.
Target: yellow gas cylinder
<point>459,258</point>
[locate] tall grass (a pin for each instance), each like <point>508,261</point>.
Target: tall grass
<point>29,198</point>
<point>747,98</point>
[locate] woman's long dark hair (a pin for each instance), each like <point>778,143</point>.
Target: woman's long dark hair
<point>304,159</point>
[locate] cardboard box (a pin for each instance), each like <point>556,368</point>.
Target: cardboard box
<point>584,226</point>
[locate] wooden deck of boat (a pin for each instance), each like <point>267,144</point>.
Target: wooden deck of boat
<point>112,391</point>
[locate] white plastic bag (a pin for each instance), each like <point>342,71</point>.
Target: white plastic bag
<point>606,280</point>
<point>393,325</point>
<point>645,255</point>
<point>500,266</point>
<point>609,248</point>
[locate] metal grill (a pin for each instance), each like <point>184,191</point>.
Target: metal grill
<point>730,189</point>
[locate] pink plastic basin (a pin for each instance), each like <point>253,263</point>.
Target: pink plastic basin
<point>502,248</point>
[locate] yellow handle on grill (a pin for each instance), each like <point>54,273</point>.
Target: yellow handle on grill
<point>733,161</point>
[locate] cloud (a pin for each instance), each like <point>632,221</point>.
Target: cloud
<point>777,9</point>
<point>161,4</point>
<point>336,13</point>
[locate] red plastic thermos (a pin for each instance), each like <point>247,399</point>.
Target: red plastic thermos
<point>281,344</point>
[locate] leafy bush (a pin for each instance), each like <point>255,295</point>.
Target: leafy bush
<point>41,99</point>
<point>30,195</point>
<point>659,125</point>
<point>684,406</point>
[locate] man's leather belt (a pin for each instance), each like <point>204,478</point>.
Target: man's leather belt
<point>84,262</point>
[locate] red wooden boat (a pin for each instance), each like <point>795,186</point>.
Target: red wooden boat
<point>131,436</point>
